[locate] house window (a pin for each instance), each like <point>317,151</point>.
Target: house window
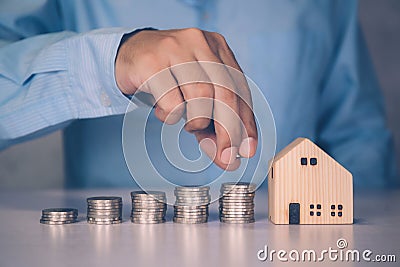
<point>303,161</point>
<point>313,161</point>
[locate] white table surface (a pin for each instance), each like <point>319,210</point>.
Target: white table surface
<point>26,242</point>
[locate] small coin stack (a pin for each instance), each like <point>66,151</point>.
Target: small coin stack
<point>148,207</point>
<point>191,205</point>
<point>104,210</point>
<point>236,203</point>
<point>57,216</point>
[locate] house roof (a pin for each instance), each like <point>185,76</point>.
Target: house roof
<point>299,141</point>
<point>289,148</point>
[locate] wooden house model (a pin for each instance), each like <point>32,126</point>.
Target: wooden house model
<point>307,186</point>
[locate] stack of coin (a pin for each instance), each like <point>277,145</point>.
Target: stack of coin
<point>104,210</point>
<point>148,207</point>
<point>191,205</point>
<point>236,203</point>
<point>59,216</point>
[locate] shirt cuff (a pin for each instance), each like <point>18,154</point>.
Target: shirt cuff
<point>91,64</point>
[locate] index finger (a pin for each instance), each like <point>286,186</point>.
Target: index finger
<point>228,130</point>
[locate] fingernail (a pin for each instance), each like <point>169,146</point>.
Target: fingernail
<point>248,147</point>
<point>228,156</point>
<point>209,147</point>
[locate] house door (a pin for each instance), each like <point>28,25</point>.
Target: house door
<point>294,213</point>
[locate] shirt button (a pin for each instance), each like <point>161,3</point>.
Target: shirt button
<point>105,100</point>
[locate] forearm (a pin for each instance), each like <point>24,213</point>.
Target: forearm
<point>51,79</point>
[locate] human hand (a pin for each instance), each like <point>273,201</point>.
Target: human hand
<point>220,117</point>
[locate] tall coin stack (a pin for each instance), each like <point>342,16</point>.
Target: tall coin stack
<point>104,210</point>
<point>59,216</point>
<point>148,207</point>
<point>236,203</point>
<point>191,205</point>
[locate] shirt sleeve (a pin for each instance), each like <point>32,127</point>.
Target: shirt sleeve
<point>50,79</point>
<point>352,124</point>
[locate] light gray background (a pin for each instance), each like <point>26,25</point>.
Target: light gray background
<point>39,163</point>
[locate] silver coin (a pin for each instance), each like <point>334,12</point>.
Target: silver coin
<point>148,216</point>
<point>143,221</point>
<point>236,199</point>
<point>58,219</point>
<point>60,211</point>
<point>60,216</point>
<point>237,222</point>
<point>146,202</point>
<point>148,213</point>
<point>242,214</point>
<point>105,222</point>
<point>102,212</point>
<point>104,199</point>
<point>192,188</point>
<point>190,221</point>
<point>104,219</point>
<point>154,215</point>
<point>105,203</point>
<point>152,210</point>
<point>192,198</point>
<point>231,205</point>
<point>238,185</point>
<point>191,211</point>
<point>186,207</point>
<point>55,219</point>
<point>198,203</point>
<point>189,194</point>
<point>191,216</point>
<point>110,214</point>
<point>236,208</point>
<point>194,216</point>
<point>180,204</point>
<point>239,196</point>
<point>108,211</point>
<point>158,214</point>
<point>237,212</point>
<point>231,201</point>
<point>104,208</point>
<point>149,209</point>
<point>57,222</point>
<point>149,199</point>
<point>231,211</point>
<point>236,216</point>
